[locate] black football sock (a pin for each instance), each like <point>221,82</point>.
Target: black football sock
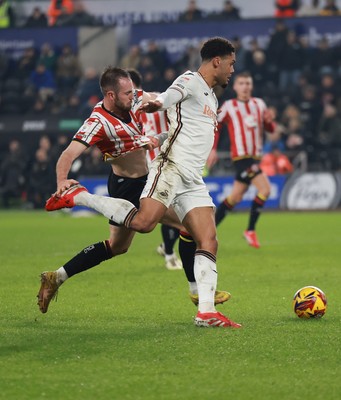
<point>256,208</point>
<point>187,248</point>
<point>169,237</point>
<point>222,210</point>
<point>88,258</point>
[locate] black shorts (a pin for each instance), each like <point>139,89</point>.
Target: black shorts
<point>126,188</point>
<point>246,169</point>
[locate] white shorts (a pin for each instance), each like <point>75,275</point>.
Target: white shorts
<point>176,186</point>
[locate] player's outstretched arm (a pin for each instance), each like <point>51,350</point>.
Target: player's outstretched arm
<point>64,163</point>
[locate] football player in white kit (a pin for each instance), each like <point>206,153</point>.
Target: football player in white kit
<point>176,174</point>
<point>153,125</point>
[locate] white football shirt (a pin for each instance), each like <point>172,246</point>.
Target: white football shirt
<point>192,122</point>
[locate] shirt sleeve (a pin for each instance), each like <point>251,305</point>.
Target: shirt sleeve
<point>171,96</point>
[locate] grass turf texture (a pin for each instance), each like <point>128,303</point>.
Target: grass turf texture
<point>124,329</point>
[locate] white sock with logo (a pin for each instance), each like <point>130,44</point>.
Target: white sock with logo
<point>206,277</point>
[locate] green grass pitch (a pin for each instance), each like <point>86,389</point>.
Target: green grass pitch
<point>124,330</point>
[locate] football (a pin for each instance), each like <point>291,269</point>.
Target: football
<point>310,302</point>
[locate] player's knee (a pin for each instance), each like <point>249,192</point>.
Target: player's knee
<point>265,193</point>
<point>237,198</point>
<point>117,250</point>
<point>143,225</point>
<point>209,243</point>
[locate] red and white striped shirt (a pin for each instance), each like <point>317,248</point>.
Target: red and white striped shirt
<point>245,123</point>
<point>154,124</point>
<point>110,134</point>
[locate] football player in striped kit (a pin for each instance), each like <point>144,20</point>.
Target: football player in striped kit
<point>246,118</point>
<point>114,127</point>
<point>175,178</point>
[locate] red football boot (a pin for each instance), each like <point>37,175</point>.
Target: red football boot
<point>251,238</point>
<point>214,320</point>
<point>65,200</point>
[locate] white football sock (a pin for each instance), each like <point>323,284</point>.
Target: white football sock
<point>169,256</point>
<point>61,275</point>
<point>114,209</point>
<point>206,277</point>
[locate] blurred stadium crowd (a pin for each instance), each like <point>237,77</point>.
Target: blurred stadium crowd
<point>302,84</point>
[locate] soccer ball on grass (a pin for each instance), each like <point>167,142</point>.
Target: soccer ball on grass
<point>310,302</point>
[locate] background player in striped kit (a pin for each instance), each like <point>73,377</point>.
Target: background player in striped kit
<point>246,118</point>
<point>154,124</point>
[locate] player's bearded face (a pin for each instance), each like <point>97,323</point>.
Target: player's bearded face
<point>124,96</point>
<point>124,103</point>
<point>226,70</point>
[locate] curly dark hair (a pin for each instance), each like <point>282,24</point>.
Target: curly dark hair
<point>216,47</point>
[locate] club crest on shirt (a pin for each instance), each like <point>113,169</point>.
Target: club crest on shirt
<point>250,121</point>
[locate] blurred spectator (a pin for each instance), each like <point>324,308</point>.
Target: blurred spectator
<point>48,57</point>
<point>309,10</point>
<point>79,17</point>
<point>258,70</point>
<point>57,11</point>
<point>329,90</point>
<point>157,56</point>
<point>68,71</point>
<point>330,127</point>
<point>286,8</point>
<point>192,12</point>
<point>274,139</point>
<point>190,60</point>
<point>276,163</point>
<point>92,163</point>
<point>295,140</point>
<point>292,132</point>
<point>41,179</point>
<point>131,59</point>
<point>168,78</point>
<point>43,82</point>
<point>240,55</point>
<point>329,138</point>
<point>330,9</point>
<point>37,19</point>
<point>45,143</point>
<point>292,60</point>
<point>12,174</point>
<point>26,64</point>
<point>323,57</point>
<point>252,47</point>
<point>310,111</point>
<point>7,16</point>
<point>39,109</point>
<point>277,43</point>
<point>151,82</point>
<point>58,147</point>
<point>86,109</point>
<point>148,71</point>
<point>72,107</point>
<point>228,13</point>
<point>4,65</point>
<point>88,85</point>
